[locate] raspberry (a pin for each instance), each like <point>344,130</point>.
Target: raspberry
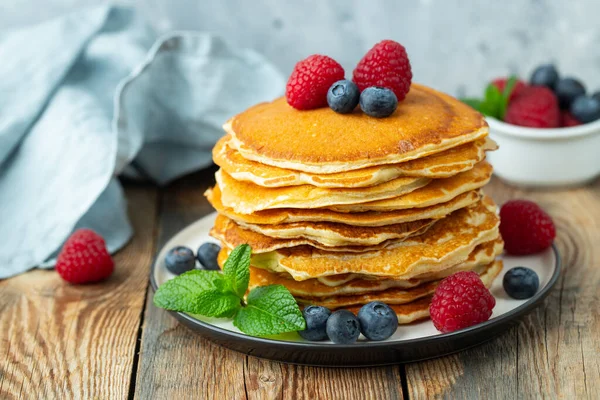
<point>525,227</point>
<point>567,119</point>
<point>84,258</point>
<point>385,65</point>
<point>310,80</point>
<point>536,107</point>
<point>518,88</point>
<point>460,300</point>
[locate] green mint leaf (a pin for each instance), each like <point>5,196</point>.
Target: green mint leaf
<point>271,310</point>
<point>475,103</point>
<point>237,269</point>
<point>508,89</point>
<point>493,101</point>
<point>198,292</point>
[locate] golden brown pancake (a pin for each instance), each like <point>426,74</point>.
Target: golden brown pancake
<point>322,141</point>
<point>366,218</point>
<point>441,165</point>
<point>311,288</point>
<point>446,243</point>
<point>438,191</point>
<point>246,197</point>
<point>419,309</point>
<point>395,295</point>
<point>359,239</point>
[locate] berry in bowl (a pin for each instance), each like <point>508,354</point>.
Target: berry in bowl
<point>548,129</point>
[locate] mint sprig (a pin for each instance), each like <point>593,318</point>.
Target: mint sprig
<point>494,102</point>
<point>269,310</point>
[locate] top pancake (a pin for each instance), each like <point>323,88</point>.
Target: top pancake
<point>440,165</point>
<point>323,141</point>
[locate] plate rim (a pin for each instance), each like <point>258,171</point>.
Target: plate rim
<point>513,314</point>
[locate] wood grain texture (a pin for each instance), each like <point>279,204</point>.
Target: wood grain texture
<point>63,341</point>
<point>554,351</point>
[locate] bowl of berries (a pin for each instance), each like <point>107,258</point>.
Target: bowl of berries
<point>548,129</point>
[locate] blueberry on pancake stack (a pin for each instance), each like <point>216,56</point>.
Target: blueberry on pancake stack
<point>350,204</point>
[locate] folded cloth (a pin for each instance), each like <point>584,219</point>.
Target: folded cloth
<point>85,97</point>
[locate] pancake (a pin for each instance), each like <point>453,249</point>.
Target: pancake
<point>482,254</point>
<point>246,197</point>
<point>396,295</point>
<point>441,165</point>
<point>367,218</point>
<point>322,141</point>
<point>333,234</point>
<point>438,191</point>
<point>419,309</point>
<point>313,288</point>
<point>446,243</point>
<point>233,235</point>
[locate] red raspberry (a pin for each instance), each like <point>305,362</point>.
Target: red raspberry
<point>460,300</point>
<point>310,80</point>
<point>84,258</point>
<point>385,65</point>
<point>518,88</point>
<point>525,227</point>
<point>536,106</point>
<point>567,119</point>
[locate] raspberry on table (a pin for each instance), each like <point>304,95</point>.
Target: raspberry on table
<point>84,258</point>
<point>536,107</point>
<point>525,227</point>
<point>460,300</point>
<point>518,88</point>
<point>310,80</point>
<point>385,65</point>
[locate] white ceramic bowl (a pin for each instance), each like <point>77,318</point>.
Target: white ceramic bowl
<point>545,157</point>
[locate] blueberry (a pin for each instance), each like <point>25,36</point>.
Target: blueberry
<point>180,259</point>
<point>377,320</point>
<point>207,255</point>
<point>544,75</point>
<point>567,90</point>
<point>343,327</point>
<point>316,323</point>
<point>378,102</point>
<point>343,96</point>
<point>521,283</point>
<point>596,96</point>
<point>585,109</point>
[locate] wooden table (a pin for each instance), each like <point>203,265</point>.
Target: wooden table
<point>108,340</point>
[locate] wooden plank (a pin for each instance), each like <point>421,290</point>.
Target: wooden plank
<point>63,341</point>
<point>553,352</point>
<point>176,363</point>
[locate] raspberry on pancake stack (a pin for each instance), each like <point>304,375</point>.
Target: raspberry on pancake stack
<point>345,209</point>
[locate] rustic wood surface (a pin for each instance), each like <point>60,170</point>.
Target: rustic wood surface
<point>108,341</point>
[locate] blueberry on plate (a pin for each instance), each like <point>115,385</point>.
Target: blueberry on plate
<point>316,323</point>
<point>180,259</point>
<point>596,96</point>
<point>342,327</point>
<point>207,256</point>
<point>378,102</point>
<point>545,75</point>
<point>343,96</point>
<point>521,283</point>
<point>586,109</point>
<point>377,320</point>
<point>567,90</point>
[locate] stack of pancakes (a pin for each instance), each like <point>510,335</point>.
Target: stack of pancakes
<point>348,209</point>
